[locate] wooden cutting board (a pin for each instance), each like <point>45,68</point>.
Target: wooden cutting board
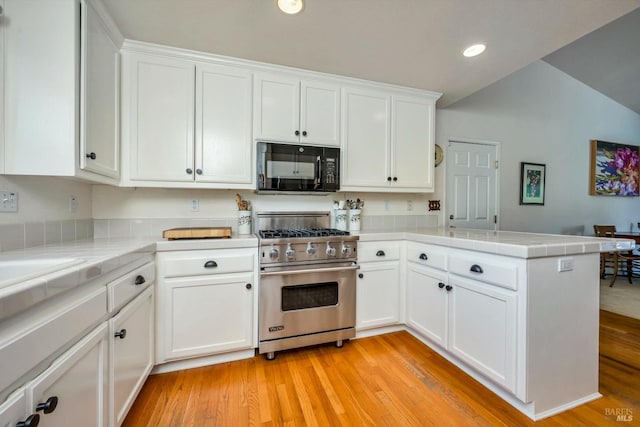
<point>197,233</point>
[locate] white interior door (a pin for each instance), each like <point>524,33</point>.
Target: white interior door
<point>472,185</point>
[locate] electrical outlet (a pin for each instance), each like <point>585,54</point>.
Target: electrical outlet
<point>409,205</point>
<point>73,204</point>
<point>387,205</point>
<point>8,201</point>
<point>565,264</point>
<point>195,205</point>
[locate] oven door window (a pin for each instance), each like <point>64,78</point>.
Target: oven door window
<point>309,296</point>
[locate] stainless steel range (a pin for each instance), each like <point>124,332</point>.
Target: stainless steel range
<point>307,281</point>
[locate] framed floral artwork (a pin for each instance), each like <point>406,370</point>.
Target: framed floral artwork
<point>614,169</point>
<point>532,183</point>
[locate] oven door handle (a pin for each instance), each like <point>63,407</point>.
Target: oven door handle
<point>310,270</point>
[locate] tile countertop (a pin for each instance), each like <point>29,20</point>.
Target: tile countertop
<point>83,260</point>
<point>508,243</point>
<point>80,262</point>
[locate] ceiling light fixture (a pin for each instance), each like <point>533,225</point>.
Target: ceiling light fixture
<point>474,50</point>
<point>290,6</point>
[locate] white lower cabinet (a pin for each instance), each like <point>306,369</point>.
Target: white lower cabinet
<point>13,411</point>
<point>482,324</point>
<point>473,320</point>
<point>131,353</point>
<point>73,390</point>
<point>427,302</point>
<point>378,285</point>
<point>206,303</point>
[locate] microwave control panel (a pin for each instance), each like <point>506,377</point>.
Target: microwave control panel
<point>330,165</point>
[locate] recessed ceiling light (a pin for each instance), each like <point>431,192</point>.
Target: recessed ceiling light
<point>290,6</point>
<point>474,50</point>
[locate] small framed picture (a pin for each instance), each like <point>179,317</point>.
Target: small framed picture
<point>532,183</point>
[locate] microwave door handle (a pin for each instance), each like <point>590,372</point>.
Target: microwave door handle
<point>318,171</point>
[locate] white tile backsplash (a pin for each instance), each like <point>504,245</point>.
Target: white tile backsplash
<point>153,227</point>
<point>34,234</point>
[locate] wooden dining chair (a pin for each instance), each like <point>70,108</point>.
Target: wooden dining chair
<point>615,259</point>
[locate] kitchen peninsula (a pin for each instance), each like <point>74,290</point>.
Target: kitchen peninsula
<point>516,311</point>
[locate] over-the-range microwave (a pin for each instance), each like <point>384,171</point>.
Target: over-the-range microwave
<point>297,168</point>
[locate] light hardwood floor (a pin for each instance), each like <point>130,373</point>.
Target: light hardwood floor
<point>387,380</point>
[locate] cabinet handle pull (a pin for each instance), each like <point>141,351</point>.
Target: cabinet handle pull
<point>297,133</point>
<point>248,286</point>
<point>389,178</point>
<point>424,257</point>
<point>122,334</point>
<point>361,275</point>
<point>476,268</point>
<point>139,280</point>
<point>395,178</point>
<point>49,406</point>
<point>441,285</point>
<point>189,171</point>
<point>199,171</point>
<point>92,156</point>
<point>304,133</point>
<point>380,253</point>
<point>32,421</point>
<point>210,264</point>
<point>448,288</point>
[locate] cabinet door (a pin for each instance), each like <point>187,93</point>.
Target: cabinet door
<point>319,113</point>
<point>482,326</point>
<point>427,308</point>
<point>224,145</point>
<point>366,139</point>
<point>159,117</point>
<point>41,86</point>
<point>77,381</point>
<point>277,108</point>
<point>412,133</point>
<point>204,315</point>
<point>14,409</point>
<point>377,294</point>
<point>99,66</point>
<point>3,24</point>
<point>131,353</point>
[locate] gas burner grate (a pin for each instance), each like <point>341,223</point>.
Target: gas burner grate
<point>302,232</point>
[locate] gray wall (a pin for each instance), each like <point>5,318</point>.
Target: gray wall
<point>542,115</point>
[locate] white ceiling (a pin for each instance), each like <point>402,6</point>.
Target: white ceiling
<point>415,43</point>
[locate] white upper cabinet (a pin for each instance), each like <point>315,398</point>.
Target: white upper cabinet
<point>395,134</point>
<point>100,101</point>
<point>60,89</point>
<point>289,109</point>
<point>412,143</point>
<point>158,117</point>
<point>224,148</point>
<point>366,139</point>
<point>186,123</point>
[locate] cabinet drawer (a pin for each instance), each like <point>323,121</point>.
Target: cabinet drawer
<point>378,251</point>
<point>195,263</point>
<point>124,289</point>
<point>427,255</point>
<point>496,270</point>
<point>21,349</point>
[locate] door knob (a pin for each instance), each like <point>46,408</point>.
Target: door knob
<point>451,216</point>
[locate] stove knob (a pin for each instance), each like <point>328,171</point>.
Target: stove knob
<point>311,248</point>
<point>290,252</point>
<point>346,250</point>
<point>273,253</point>
<point>331,251</point>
